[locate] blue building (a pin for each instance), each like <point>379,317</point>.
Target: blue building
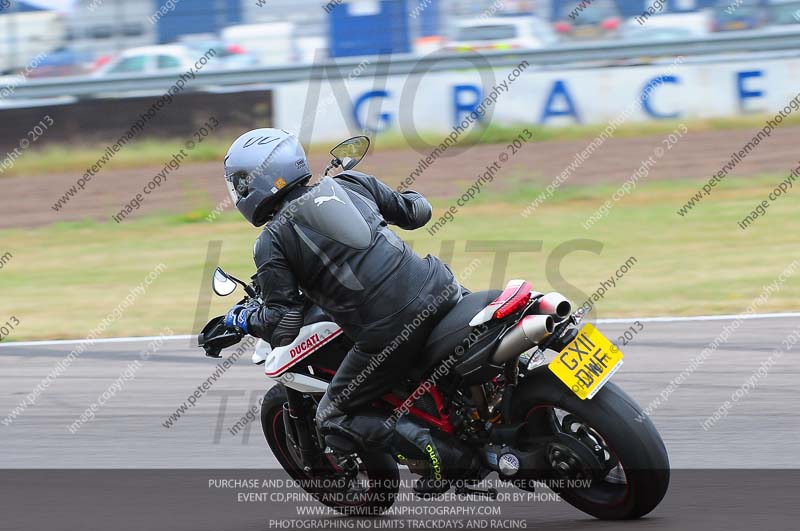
<point>369,28</point>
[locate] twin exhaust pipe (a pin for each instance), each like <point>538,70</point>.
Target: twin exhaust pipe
<point>554,304</point>
<point>532,329</point>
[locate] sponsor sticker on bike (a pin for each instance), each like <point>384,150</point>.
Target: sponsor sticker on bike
<point>587,363</point>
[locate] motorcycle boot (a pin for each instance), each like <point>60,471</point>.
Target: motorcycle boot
<point>441,460</point>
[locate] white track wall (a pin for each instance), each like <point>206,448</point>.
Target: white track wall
<point>435,102</point>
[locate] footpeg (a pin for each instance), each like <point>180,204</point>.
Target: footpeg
<point>466,491</point>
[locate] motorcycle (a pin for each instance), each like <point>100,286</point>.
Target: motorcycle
<point>513,374</point>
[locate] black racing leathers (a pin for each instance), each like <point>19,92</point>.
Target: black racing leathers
<point>331,241</point>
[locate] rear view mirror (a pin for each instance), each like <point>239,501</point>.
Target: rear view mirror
<point>222,283</point>
<point>350,152</point>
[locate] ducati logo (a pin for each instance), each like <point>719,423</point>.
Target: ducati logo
<point>305,346</point>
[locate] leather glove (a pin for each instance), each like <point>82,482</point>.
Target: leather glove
<point>238,317</point>
<point>421,209</point>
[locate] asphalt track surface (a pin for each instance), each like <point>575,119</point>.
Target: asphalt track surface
<point>737,474</point>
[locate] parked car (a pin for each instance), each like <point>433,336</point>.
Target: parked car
<point>729,15</point>
<point>149,60</point>
<point>63,62</point>
<point>667,27</point>
<point>228,55</point>
<point>783,13</point>
<point>599,19</point>
<point>500,33</point>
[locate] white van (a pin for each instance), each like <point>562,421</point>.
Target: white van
<point>24,37</point>
<point>271,43</point>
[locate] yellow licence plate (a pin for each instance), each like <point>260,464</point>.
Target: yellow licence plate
<point>586,364</point>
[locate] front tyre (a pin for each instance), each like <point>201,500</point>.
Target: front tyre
<point>607,440</point>
<point>375,489</point>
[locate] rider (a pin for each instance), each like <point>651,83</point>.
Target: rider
<point>331,241</point>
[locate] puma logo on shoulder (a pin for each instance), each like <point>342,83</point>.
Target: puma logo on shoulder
<point>319,201</point>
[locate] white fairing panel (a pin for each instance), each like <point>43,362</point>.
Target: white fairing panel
<point>302,382</point>
<point>263,349</point>
<point>310,339</point>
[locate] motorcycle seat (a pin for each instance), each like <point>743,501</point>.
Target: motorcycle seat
<point>453,329</point>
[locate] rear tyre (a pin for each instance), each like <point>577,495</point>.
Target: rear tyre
<point>379,479</point>
<point>625,437</point>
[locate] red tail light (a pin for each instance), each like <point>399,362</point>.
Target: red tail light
<point>102,60</point>
<point>235,48</point>
<point>515,297</point>
<point>563,27</point>
<point>610,24</point>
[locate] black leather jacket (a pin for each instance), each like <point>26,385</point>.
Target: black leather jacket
<point>332,242</point>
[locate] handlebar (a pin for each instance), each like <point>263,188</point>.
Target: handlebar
<point>216,336</point>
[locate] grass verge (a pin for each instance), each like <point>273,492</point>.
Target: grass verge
<point>155,152</point>
<point>65,278</point>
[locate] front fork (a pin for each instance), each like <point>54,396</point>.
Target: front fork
<point>299,432</point>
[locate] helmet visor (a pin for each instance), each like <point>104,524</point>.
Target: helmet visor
<point>238,185</point>
<point>231,190</point>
